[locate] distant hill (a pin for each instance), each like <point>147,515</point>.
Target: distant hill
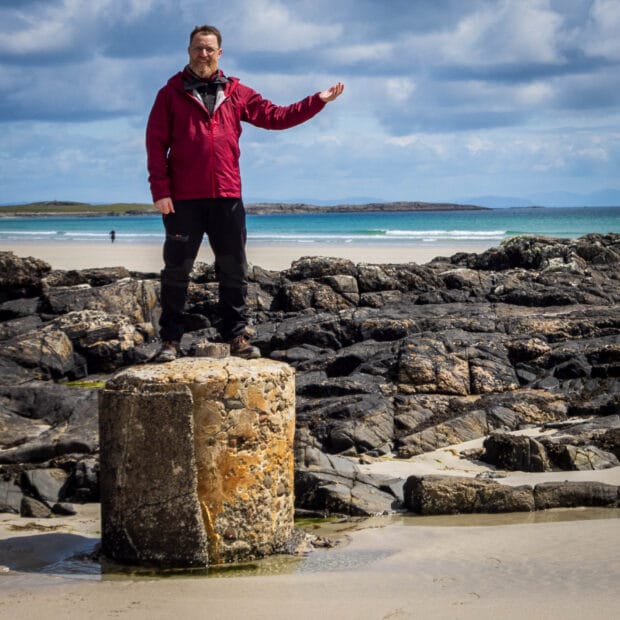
<point>601,198</point>
<point>57,207</point>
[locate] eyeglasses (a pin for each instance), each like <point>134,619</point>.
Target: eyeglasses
<point>199,49</point>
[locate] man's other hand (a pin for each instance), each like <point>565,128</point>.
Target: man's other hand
<point>164,206</point>
<point>332,93</point>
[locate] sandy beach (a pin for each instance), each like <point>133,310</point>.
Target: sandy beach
<point>554,564</point>
<point>148,257</point>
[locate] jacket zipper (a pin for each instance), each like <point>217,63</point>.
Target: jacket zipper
<point>212,158</point>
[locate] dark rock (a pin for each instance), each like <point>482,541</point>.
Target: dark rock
<point>20,277</point>
<point>456,430</point>
<point>35,509</point>
<point>426,365</point>
<point>515,453</point>
<point>64,509</point>
<point>437,495</point>
<point>381,299</point>
<point>598,249</point>
<point>295,355</point>
<point>47,350</point>
<point>526,349</point>
<point>70,416</point>
<point>46,485</point>
<point>384,329</point>
<point>454,420</point>
<point>11,373</point>
<point>584,458</point>
<point>267,280</point>
<point>338,487</point>
<point>572,369</point>
<point>106,341</point>
<point>345,286</point>
<point>526,374</point>
<point>367,356</point>
<point>96,276</point>
<point>610,441</point>
<point>373,278</point>
<point>136,298</point>
<point>309,267</point>
<point>463,278</point>
<point>16,327</point>
<point>19,308</point>
<point>10,494</point>
<point>529,252</point>
<point>297,296</point>
<point>337,386</point>
<point>319,330</point>
<point>355,424</point>
<point>83,484</point>
<point>15,429</point>
<point>572,494</point>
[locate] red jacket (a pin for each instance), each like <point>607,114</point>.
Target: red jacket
<point>192,154</point>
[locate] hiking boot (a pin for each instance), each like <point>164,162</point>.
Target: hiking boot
<point>240,347</point>
<point>168,353</point>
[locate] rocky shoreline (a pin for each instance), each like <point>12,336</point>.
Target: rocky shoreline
<point>392,362</point>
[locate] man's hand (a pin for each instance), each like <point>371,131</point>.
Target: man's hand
<point>164,206</point>
<point>332,93</point>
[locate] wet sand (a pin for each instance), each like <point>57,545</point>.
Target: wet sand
<point>562,563</point>
<point>148,257</point>
<point>553,564</point>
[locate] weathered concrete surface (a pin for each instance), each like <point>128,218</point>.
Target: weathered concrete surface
<point>197,461</point>
<point>149,508</point>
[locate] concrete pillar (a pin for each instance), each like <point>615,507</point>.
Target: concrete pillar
<point>197,461</point>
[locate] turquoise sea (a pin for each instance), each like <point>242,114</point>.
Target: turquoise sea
<point>439,228</point>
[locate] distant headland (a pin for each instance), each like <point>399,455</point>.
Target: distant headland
<point>83,209</point>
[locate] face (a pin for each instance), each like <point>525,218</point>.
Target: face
<point>204,54</point>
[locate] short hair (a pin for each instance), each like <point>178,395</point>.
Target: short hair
<point>206,29</point>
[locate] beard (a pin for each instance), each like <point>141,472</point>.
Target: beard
<point>204,68</point>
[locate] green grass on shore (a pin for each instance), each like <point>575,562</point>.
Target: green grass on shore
<point>53,207</point>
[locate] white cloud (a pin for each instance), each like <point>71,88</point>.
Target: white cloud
<point>353,54</point>
<point>533,93</point>
<point>476,145</point>
<point>501,32</point>
<point>68,25</point>
<point>399,89</point>
<point>268,25</point>
<point>603,30</point>
<point>35,35</point>
<point>403,141</point>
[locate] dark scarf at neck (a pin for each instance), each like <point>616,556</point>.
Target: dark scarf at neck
<point>206,88</point>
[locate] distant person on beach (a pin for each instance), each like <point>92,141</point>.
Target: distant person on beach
<point>192,143</point>
<point>112,235</point>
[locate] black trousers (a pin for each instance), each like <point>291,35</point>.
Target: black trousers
<point>223,221</point>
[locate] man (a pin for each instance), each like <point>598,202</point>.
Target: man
<point>192,142</point>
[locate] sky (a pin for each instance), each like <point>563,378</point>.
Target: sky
<point>445,100</point>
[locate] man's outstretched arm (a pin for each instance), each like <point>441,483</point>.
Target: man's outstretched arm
<point>263,113</point>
